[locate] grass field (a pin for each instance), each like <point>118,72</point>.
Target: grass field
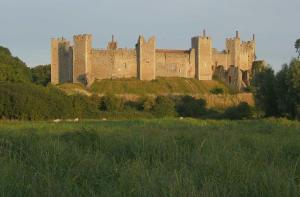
<point>167,157</point>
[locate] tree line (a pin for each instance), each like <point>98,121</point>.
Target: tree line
<point>278,94</point>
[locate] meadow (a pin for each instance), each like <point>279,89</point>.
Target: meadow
<point>154,157</point>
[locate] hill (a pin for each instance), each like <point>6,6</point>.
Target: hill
<point>132,89</point>
<point>160,86</point>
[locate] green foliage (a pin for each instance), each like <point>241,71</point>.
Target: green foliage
<point>264,91</point>
<point>217,90</point>
<point>257,67</point>
<point>12,68</point>
<point>168,157</point>
<point>297,47</point>
<point>278,95</point>
<point>112,103</point>
<point>293,78</point>
<point>241,111</point>
<point>191,107</point>
<point>164,106</point>
<point>84,106</point>
<point>41,74</point>
<point>27,101</point>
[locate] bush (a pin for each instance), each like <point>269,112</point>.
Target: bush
<point>217,90</point>
<point>241,111</point>
<point>164,106</point>
<point>112,103</point>
<point>191,107</point>
<point>147,103</point>
<point>27,101</point>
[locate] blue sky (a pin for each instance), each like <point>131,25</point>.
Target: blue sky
<point>26,27</point>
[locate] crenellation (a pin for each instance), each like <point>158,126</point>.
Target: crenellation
<point>84,64</point>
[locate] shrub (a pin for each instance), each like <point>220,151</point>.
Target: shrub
<point>147,103</point>
<point>217,90</point>
<point>112,103</point>
<point>84,106</point>
<point>241,111</point>
<point>191,107</point>
<point>164,106</point>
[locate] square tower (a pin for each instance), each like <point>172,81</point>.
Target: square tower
<point>61,61</point>
<point>203,57</point>
<point>82,68</point>
<point>146,61</point>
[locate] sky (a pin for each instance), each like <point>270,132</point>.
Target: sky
<point>27,26</point>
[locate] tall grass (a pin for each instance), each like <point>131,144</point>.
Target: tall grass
<point>166,157</point>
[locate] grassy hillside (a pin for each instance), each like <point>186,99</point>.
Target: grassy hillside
<point>167,157</point>
<point>131,89</point>
<point>137,87</point>
<point>159,86</point>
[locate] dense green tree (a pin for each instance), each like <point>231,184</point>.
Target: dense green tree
<point>12,68</point>
<point>257,67</point>
<point>264,91</point>
<point>282,91</point>
<point>297,47</point>
<point>41,74</point>
<point>28,101</point>
<point>294,87</point>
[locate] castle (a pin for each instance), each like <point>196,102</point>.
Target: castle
<point>81,63</point>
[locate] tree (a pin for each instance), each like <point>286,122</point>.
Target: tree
<point>41,74</point>
<point>12,68</point>
<point>294,87</point>
<point>297,47</point>
<point>282,89</point>
<point>287,87</point>
<point>264,91</point>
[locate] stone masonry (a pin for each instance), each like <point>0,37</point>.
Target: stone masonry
<point>81,63</point>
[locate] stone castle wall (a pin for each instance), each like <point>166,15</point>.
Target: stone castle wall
<point>175,63</point>
<point>84,64</point>
<point>122,63</point>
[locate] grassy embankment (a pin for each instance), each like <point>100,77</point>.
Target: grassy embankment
<point>131,89</point>
<point>167,157</point>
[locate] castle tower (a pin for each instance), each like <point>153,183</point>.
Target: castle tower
<point>82,68</point>
<point>233,47</point>
<point>61,61</point>
<point>146,62</point>
<point>203,62</point>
